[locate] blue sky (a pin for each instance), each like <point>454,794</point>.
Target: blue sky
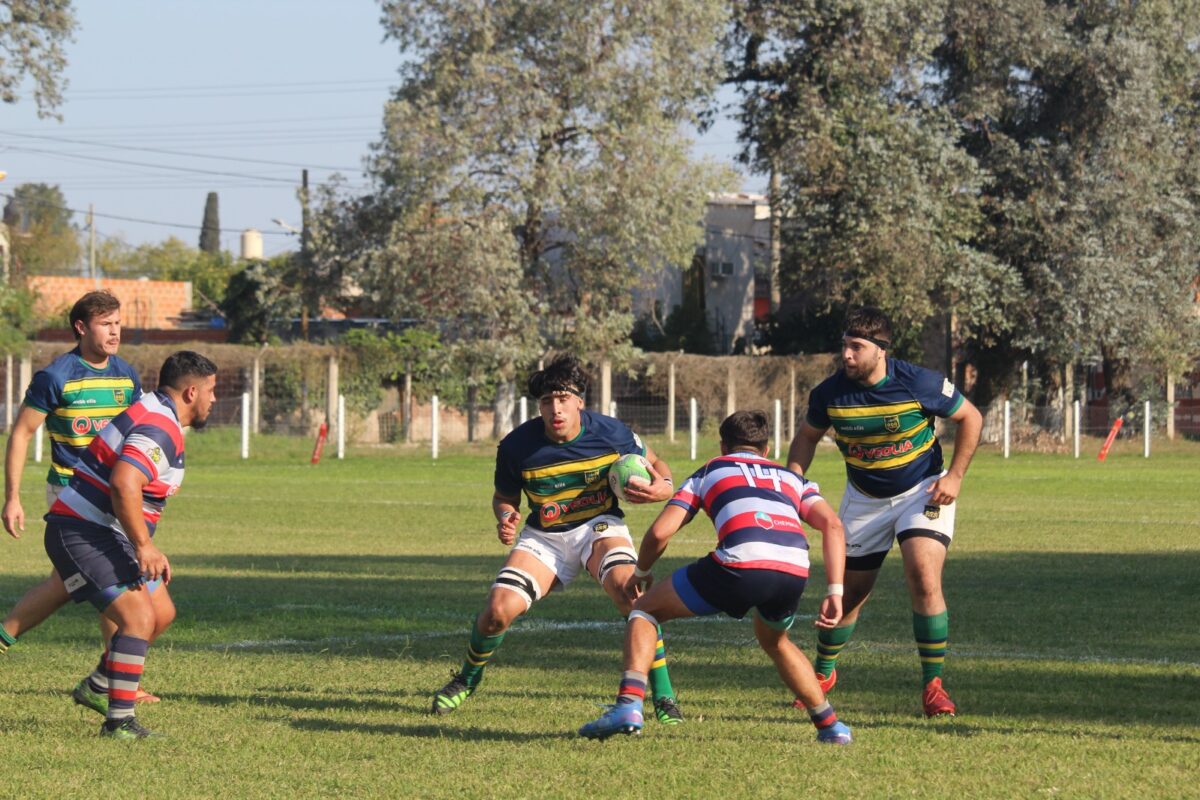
<point>170,99</point>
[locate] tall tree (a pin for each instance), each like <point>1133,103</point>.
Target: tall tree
<point>1084,114</point>
<point>881,204</point>
<point>32,35</point>
<point>558,125</point>
<point>210,228</point>
<point>44,241</point>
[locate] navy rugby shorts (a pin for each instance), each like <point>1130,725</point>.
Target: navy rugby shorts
<point>94,562</point>
<point>707,587</point>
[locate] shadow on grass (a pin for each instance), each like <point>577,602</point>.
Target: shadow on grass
<point>430,731</point>
<point>1057,635</point>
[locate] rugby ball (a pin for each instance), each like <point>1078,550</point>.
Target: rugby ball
<point>625,468</point>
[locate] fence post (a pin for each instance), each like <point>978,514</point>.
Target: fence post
<point>331,390</point>
<point>256,394</point>
<point>1170,407</point>
<point>8,392</point>
<point>791,424</point>
<point>1078,425</point>
<point>692,426</point>
<point>730,391</point>
<point>605,384</point>
<point>25,376</point>
<point>1146,437</point>
<point>671,401</point>
<point>341,426</point>
<point>524,404</point>
<point>37,442</point>
<point>433,424</point>
<point>612,408</point>
<point>1007,425</point>
<point>406,415</point>
<point>245,425</point>
<point>778,425</point>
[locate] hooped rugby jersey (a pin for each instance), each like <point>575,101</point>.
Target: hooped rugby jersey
<point>146,435</point>
<point>567,483</point>
<point>885,432</point>
<point>79,400</point>
<point>756,506</point>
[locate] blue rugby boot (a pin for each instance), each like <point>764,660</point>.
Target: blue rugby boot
<point>620,718</point>
<point>837,733</point>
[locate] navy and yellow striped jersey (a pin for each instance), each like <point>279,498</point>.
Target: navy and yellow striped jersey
<point>567,483</point>
<point>885,432</point>
<point>79,400</point>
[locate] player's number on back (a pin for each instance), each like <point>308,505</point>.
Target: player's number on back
<point>757,471</point>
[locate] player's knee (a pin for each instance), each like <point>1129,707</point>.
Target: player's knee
<point>615,559</point>
<point>513,593</point>
<point>642,615</point>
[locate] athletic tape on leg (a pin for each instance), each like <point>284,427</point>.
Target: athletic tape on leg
<point>618,556</point>
<point>635,614</point>
<point>521,582</point>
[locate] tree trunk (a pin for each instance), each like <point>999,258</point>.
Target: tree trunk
<point>1118,381</point>
<point>503,409</point>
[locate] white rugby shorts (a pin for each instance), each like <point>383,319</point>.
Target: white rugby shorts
<point>872,523</point>
<point>567,552</point>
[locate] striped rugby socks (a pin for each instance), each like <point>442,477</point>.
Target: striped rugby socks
<point>660,679</point>
<point>830,642</point>
<point>480,650</point>
<point>931,634</point>
<point>126,658</point>
<point>822,716</point>
<point>633,687</point>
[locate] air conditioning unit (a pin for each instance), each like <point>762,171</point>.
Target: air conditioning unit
<point>722,269</point>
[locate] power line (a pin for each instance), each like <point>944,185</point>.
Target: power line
<point>124,162</point>
<point>140,221</point>
<point>174,152</point>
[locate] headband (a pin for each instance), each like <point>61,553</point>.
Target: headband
<point>883,344</point>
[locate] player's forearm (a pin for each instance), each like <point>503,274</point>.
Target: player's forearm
<point>833,547</point>
<point>654,544</point>
<point>127,508</point>
<point>14,462</point>
<point>966,439</point>
<point>503,506</point>
<point>800,454</point>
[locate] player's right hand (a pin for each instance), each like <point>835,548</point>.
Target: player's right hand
<point>153,563</point>
<point>635,587</point>
<point>14,518</point>
<point>506,529</point>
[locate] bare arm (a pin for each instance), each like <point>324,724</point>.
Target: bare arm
<point>970,424</point>
<point>661,487</point>
<point>804,446</point>
<point>822,517</point>
<point>654,544</point>
<point>508,515</point>
<point>127,484</point>
<point>24,429</point>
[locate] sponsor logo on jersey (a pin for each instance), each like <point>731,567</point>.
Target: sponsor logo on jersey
<point>156,454</point>
<point>81,425</point>
<point>879,453</point>
<point>947,387</point>
<point>891,424</point>
<point>119,396</point>
<point>591,476</point>
<point>600,527</point>
<point>763,520</point>
<point>933,512</point>
<point>552,511</point>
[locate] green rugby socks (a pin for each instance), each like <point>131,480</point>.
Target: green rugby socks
<point>6,641</point>
<point>830,642</point>
<point>931,634</point>
<point>660,680</point>
<point>480,650</point>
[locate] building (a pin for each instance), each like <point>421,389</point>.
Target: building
<point>737,252</point>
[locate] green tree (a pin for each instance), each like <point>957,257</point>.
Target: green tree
<point>210,228</point>
<point>881,204</point>
<point>1085,117</point>
<point>44,241</point>
<point>557,127</point>
<point>260,295</point>
<point>17,320</point>
<point>32,35</point>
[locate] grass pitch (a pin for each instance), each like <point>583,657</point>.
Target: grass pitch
<point>319,607</point>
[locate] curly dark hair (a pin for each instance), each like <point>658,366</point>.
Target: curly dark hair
<point>181,366</point>
<point>563,374</point>
<point>870,323</point>
<point>746,428</point>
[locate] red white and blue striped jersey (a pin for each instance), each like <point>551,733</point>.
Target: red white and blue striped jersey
<point>756,506</point>
<point>146,435</point>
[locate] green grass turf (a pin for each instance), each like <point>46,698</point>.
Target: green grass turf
<point>319,607</point>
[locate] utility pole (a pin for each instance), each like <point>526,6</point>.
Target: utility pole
<point>305,266</point>
<point>92,246</point>
<point>776,230</point>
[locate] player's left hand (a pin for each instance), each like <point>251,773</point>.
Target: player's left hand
<point>944,490</point>
<point>831,612</point>
<point>635,587</point>
<point>658,490</point>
